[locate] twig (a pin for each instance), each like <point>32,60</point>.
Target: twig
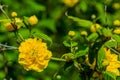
<point>6,47</point>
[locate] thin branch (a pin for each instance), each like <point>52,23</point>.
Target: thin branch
<point>6,47</point>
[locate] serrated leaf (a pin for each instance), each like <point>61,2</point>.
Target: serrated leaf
<point>43,36</point>
<point>109,75</point>
<point>81,22</point>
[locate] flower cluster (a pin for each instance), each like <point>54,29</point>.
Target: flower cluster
<point>34,54</point>
<point>112,62</point>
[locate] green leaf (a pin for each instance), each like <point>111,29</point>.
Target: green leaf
<point>81,22</point>
<point>66,43</point>
<point>111,43</point>
<point>116,37</point>
<point>83,6</point>
<point>101,56</point>
<point>42,36</point>
<point>81,53</point>
<point>109,75</point>
<point>74,44</point>
<point>107,32</point>
<point>92,37</point>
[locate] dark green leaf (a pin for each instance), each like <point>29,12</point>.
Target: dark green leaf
<point>81,53</point>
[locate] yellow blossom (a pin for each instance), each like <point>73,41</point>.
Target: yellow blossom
<point>116,5</point>
<point>33,20</point>
<point>114,64</point>
<point>10,27</point>
<point>13,14</point>
<point>13,25</point>
<point>70,3</point>
<point>34,54</point>
<point>117,31</point>
<point>71,33</point>
<point>84,33</point>
<point>116,22</point>
<point>94,27</point>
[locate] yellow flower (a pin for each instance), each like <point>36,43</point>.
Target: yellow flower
<point>92,66</point>
<point>71,33</point>
<point>10,27</point>
<point>34,55</point>
<point>116,5</point>
<point>33,20</point>
<point>70,3</point>
<point>84,33</point>
<point>13,14</point>
<point>94,27</point>
<point>117,31</point>
<point>116,22</point>
<point>114,64</point>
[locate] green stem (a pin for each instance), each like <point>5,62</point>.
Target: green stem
<point>58,59</point>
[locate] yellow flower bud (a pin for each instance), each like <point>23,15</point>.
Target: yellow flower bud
<point>33,20</point>
<point>71,33</point>
<point>84,33</point>
<point>94,27</point>
<point>13,14</point>
<point>70,3</point>
<point>116,5</point>
<point>10,27</point>
<point>117,31</point>
<point>116,22</point>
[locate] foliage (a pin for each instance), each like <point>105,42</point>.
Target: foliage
<point>82,35</point>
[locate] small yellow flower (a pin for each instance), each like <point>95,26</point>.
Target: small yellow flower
<point>117,31</point>
<point>10,27</point>
<point>114,64</point>
<point>71,33</point>
<point>116,5</point>
<point>33,20</point>
<point>94,27</point>
<point>70,3</point>
<point>13,25</point>
<point>34,54</point>
<point>84,33</point>
<point>13,14</point>
<point>116,22</point>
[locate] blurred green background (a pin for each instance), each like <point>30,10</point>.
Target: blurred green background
<point>54,23</point>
